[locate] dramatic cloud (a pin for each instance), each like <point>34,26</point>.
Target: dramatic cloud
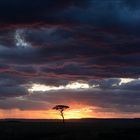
<point>85,51</point>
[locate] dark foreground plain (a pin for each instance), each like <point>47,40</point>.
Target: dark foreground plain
<point>86,129</point>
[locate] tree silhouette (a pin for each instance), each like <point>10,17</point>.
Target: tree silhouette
<point>61,108</point>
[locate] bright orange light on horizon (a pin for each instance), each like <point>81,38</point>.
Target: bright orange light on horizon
<point>76,111</point>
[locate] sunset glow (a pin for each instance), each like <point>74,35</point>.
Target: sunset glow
<point>84,54</point>
<point>69,114</point>
<point>84,112</point>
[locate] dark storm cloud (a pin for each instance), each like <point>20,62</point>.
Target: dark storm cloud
<point>89,40</point>
<point>108,100</point>
<point>11,91</point>
<point>99,48</point>
<point>6,38</point>
<point>105,13</point>
<point>23,11</point>
<point>109,95</point>
<point>14,103</point>
<point>4,67</point>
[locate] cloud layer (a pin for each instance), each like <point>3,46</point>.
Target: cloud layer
<point>54,43</point>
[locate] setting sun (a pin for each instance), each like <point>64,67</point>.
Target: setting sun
<point>76,111</point>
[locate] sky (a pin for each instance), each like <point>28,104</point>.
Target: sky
<point>84,54</point>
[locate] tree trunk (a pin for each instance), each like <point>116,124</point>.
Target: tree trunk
<point>62,116</point>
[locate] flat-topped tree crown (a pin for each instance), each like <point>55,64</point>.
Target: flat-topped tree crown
<point>60,107</point>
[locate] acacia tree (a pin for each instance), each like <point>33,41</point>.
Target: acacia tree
<point>61,108</point>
